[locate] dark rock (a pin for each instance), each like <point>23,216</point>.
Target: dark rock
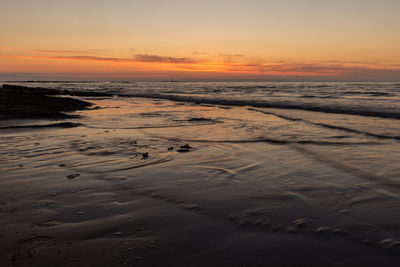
<point>16,102</point>
<point>34,126</point>
<point>36,102</point>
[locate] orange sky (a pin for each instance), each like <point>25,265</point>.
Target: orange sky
<point>154,39</point>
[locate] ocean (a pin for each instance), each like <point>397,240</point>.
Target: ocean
<point>380,99</point>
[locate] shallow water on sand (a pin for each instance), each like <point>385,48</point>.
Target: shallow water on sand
<point>257,184</point>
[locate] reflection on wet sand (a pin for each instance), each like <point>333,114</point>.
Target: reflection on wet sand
<point>253,188</point>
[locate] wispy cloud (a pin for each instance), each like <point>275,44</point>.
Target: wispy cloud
<point>236,65</point>
<point>200,53</point>
<point>92,58</point>
<point>9,48</point>
<point>5,48</point>
<point>135,58</point>
<point>162,59</point>
<point>230,55</point>
<point>229,58</point>
<point>76,58</point>
<point>315,68</point>
<point>65,51</point>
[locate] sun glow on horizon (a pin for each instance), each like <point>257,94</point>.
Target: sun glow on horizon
<point>230,39</point>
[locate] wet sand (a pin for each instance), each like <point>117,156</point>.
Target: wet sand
<point>254,189</point>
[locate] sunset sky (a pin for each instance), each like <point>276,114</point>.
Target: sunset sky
<point>200,40</point>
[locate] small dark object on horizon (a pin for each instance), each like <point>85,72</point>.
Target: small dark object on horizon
<point>171,148</point>
<point>145,155</point>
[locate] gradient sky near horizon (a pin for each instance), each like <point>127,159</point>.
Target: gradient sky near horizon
<point>220,39</point>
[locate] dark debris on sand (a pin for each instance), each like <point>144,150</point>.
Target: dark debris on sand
<point>185,148</point>
<point>200,119</point>
<point>73,176</point>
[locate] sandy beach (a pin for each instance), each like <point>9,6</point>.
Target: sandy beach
<point>153,182</point>
<point>199,133</point>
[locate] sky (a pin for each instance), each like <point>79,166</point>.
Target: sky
<point>333,40</point>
